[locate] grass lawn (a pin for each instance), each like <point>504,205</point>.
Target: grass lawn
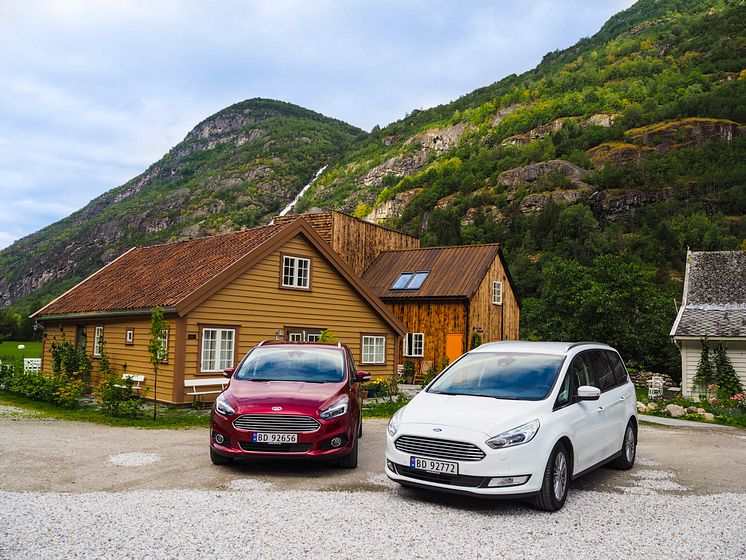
<point>169,417</point>
<point>9,351</point>
<point>383,409</point>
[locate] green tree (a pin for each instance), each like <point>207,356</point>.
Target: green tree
<point>156,350</point>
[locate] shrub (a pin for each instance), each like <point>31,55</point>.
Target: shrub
<point>705,371</point>
<point>60,389</point>
<point>118,399</point>
<point>725,374</point>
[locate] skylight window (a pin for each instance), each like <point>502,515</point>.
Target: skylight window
<point>410,280</point>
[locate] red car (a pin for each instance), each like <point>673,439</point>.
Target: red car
<point>290,399</point>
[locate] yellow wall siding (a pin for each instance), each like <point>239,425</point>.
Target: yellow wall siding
<point>256,304</point>
<point>135,356</point>
<point>498,322</point>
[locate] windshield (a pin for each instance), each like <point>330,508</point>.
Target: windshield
<point>503,375</point>
<point>312,365</point>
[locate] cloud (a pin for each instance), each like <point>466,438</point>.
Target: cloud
<point>91,93</point>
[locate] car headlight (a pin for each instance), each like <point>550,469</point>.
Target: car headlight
<point>223,407</point>
<point>337,409</point>
<point>394,422</point>
<point>516,436</point>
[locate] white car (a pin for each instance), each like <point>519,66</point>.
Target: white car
<point>517,420</point>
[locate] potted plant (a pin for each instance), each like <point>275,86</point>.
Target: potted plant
<point>408,371</point>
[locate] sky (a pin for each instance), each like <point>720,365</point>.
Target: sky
<point>94,91</point>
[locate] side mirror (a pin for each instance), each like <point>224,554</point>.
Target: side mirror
<point>228,372</point>
<point>588,393</point>
<point>362,376</point>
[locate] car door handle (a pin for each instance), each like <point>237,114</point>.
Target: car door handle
<point>600,408</point>
<point>622,398</point>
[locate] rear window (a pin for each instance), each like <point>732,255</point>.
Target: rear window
<point>310,365</point>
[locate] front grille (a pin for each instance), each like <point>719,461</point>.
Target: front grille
<point>439,448</point>
<point>275,447</point>
<point>278,423</point>
<point>453,480</point>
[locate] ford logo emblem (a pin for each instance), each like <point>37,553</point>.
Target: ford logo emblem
<point>276,408</point>
<point>437,429</point>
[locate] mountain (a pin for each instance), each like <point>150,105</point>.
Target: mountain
<point>235,169</point>
<point>596,171</point>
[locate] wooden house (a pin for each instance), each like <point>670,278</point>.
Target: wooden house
<point>713,306</point>
<point>448,298</point>
<point>221,296</point>
<point>358,242</point>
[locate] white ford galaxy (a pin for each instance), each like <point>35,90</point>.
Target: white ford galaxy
<point>517,420</point>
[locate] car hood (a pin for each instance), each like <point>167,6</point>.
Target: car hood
<point>481,414</point>
<point>250,395</point>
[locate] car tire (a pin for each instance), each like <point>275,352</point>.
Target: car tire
<point>349,461</point>
<point>556,480</point>
<point>626,459</point>
<point>218,459</point>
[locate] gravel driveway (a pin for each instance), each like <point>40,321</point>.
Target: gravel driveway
<point>73,490</point>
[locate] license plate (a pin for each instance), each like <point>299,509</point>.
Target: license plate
<point>431,465</point>
<point>261,437</point>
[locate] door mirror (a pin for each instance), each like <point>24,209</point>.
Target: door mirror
<point>588,393</point>
<point>228,372</point>
<point>362,376</point>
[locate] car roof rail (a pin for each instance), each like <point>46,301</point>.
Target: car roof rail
<point>583,343</point>
<point>261,343</point>
<point>339,344</point>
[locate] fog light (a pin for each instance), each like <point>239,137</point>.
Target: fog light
<point>390,465</point>
<point>219,438</point>
<point>508,481</point>
<point>336,442</point>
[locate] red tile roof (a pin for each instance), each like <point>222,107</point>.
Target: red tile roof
<point>159,275</point>
<point>454,272</point>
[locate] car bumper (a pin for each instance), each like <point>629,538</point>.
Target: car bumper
<point>478,478</point>
<point>237,444</point>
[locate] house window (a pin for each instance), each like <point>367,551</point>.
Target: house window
<point>410,280</point>
<point>129,336</point>
<point>163,356</point>
<point>313,337</point>
<point>295,337</point>
<point>296,272</point>
<point>98,342</point>
<point>497,293</point>
<point>374,349</point>
<point>217,349</point>
<point>414,345</point>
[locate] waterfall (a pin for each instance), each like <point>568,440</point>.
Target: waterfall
<point>290,206</point>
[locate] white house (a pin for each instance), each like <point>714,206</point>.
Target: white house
<point>714,305</point>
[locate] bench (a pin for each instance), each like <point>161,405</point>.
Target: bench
<point>31,365</point>
<point>201,387</point>
<point>136,381</point>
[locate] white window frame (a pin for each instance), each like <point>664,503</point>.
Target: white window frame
<point>164,346</point>
<point>497,293</point>
<point>98,342</point>
<point>414,345</point>
<point>375,354</point>
<point>293,274</point>
<point>295,337</point>
<point>213,364</point>
<point>129,336</point>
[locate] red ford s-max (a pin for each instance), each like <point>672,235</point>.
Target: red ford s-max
<point>290,399</point>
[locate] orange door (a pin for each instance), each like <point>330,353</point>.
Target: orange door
<point>454,346</point>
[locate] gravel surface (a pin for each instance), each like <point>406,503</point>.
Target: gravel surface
<point>393,523</point>
<point>66,498</point>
